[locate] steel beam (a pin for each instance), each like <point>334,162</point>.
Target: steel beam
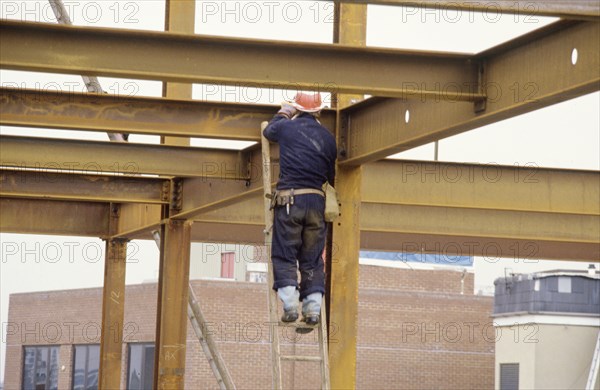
<point>540,213</point>
<point>575,9</point>
<point>203,59</point>
<point>137,115</point>
<point>121,158</point>
<point>113,310</point>
<point>91,188</point>
<point>482,186</point>
<point>519,77</point>
<point>203,195</point>
<point>36,216</point>
<point>171,334</point>
<point>350,29</point>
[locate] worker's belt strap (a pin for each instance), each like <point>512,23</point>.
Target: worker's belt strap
<point>286,197</point>
<point>302,191</point>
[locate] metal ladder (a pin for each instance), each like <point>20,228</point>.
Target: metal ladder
<point>594,367</point>
<point>276,356</point>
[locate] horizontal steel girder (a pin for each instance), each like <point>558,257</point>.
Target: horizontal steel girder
<point>92,188</point>
<point>64,218</point>
<point>410,198</point>
<point>482,210</point>
<point>205,59</point>
<point>138,115</point>
<point>120,158</point>
<point>520,77</point>
<point>575,9</point>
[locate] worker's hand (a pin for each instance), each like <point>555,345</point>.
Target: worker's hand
<point>287,109</point>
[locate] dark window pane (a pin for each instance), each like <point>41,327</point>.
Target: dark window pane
<point>134,381</point>
<point>140,374</point>
<point>509,376</point>
<point>148,367</point>
<point>79,367</point>
<point>28,368</point>
<point>53,369</point>
<point>41,368</point>
<point>93,367</point>
<point>86,366</point>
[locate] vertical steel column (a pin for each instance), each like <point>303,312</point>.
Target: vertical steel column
<point>179,17</point>
<point>349,29</point>
<point>173,279</point>
<point>171,335</point>
<point>113,309</point>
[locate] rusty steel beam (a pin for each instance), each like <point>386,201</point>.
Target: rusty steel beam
<point>519,77</point>
<point>113,312</point>
<point>15,183</point>
<point>574,9</point>
<point>120,158</point>
<point>37,216</point>
<point>171,316</point>
<point>350,28</point>
<point>136,115</point>
<point>482,186</point>
<point>538,212</point>
<point>203,195</point>
<point>203,59</point>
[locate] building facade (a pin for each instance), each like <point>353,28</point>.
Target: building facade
<point>547,330</point>
<point>416,331</point>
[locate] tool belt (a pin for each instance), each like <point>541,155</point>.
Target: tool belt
<point>286,197</point>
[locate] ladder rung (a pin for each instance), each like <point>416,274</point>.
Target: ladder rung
<point>298,325</point>
<point>301,358</point>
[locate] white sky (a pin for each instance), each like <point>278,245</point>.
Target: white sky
<point>564,135</point>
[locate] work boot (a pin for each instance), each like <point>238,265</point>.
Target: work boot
<point>311,312</point>
<point>289,296</point>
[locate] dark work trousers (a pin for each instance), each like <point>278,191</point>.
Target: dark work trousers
<point>298,242</point>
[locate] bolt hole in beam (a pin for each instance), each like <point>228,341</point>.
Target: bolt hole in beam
<point>574,56</point>
<point>407,116</point>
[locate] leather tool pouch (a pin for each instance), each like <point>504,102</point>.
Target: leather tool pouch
<point>332,206</point>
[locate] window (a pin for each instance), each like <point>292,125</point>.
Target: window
<point>509,376</point>
<point>86,364</point>
<point>140,374</point>
<point>227,262</point>
<point>564,284</point>
<point>40,368</point>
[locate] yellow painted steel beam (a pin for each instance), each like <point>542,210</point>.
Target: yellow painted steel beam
<point>342,295</point>
<point>137,115</point>
<point>171,333</point>
<point>518,77</point>
<point>575,9</point>
<point>113,311</point>
<point>538,212</point>
<point>15,183</point>
<point>138,221</point>
<point>482,186</point>
<point>36,216</point>
<point>121,158</point>
<point>171,316</point>
<point>204,59</point>
<point>491,249</point>
<point>203,195</point>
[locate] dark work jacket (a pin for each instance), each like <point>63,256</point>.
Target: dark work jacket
<point>307,151</point>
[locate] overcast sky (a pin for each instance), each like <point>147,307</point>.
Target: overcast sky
<point>564,135</point>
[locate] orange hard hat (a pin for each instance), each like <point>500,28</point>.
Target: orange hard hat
<point>307,102</point>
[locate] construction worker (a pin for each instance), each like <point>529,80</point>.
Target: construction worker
<point>307,160</point>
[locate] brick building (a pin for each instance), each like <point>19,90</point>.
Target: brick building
<point>416,331</point>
